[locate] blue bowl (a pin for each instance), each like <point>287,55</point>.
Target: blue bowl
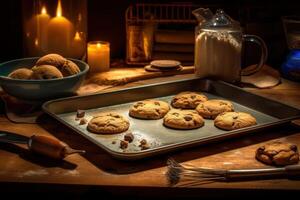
<point>39,90</point>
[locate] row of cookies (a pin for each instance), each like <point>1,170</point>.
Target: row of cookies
<point>183,117</point>
<point>47,67</point>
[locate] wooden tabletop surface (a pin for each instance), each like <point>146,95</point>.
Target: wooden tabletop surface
<point>97,169</point>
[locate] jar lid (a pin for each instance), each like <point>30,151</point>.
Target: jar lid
<point>221,20</point>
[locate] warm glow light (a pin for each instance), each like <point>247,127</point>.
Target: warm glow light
<point>98,45</point>
<point>36,42</point>
<point>44,10</point>
<point>77,36</point>
<point>59,9</point>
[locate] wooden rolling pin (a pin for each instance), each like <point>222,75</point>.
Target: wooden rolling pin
<point>43,145</point>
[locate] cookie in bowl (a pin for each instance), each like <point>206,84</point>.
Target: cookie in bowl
<point>21,73</point>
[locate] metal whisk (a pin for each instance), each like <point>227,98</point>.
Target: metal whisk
<point>177,172</point>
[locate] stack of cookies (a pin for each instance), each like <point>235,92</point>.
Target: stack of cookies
<point>164,66</point>
<point>50,66</point>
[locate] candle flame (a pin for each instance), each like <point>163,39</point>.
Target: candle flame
<point>44,10</point>
<point>59,9</point>
<point>77,36</point>
<point>98,45</point>
<point>36,42</point>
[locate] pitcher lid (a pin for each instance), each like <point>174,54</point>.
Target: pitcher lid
<point>221,20</point>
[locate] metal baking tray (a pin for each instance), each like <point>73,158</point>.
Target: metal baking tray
<point>161,139</point>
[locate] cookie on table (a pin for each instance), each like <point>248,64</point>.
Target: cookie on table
<point>21,73</point>
<point>188,100</point>
<point>183,119</point>
<point>46,72</point>
<point>278,154</point>
<point>212,108</point>
<point>108,123</point>
<point>234,120</point>
<point>149,109</point>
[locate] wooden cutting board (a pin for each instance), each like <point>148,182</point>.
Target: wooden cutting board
<point>121,76</point>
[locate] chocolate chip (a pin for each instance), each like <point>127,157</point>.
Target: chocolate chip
<point>234,117</point>
<point>294,147</point>
<point>156,103</point>
<point>129,137</point>
<point>123,144</point>
<point>80,113</point>
<point>193,96</point>
<point>261,149</point>
<point>83,121</point>
<point>187,118</point>
<point>143,142</point>
<point>113,142</point>
<point>145,146</point>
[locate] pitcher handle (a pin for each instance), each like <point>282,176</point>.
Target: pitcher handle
<point>263,57</point>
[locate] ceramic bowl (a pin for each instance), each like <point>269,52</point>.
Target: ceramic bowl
<point>39,90</point>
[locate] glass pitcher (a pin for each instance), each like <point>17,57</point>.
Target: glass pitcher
<point>218,47</point>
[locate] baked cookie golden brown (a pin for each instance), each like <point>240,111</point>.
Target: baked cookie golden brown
<point>234,120</point>
<point>69,68</point>
<point>212,108</point>
<point>108,123</point>
<point>183,119</point>
<point>188,100</point>
<point>21,73</point>
<point>278,153</point>
<point>149,109</point>
<point>52,59</point>
<point>46,72</point>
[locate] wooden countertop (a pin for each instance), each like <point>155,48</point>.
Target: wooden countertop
<point>97,170</point>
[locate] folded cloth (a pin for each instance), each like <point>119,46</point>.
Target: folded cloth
<point>19,111</point>
<point>267,77</point>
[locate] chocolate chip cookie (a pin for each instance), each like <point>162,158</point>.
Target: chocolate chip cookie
<point>188,100</point>
<point>46,72</point>
<point>234,120</point>
<point>21,73</point>
<point>108,123</point>
<point>149,109</point>
<point>183,119</point>
<point>278,153</point>
<point>212,108</point>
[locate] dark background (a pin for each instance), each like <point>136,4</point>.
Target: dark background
<point>106,21</point>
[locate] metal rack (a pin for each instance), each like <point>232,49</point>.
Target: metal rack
<point>139,16</point>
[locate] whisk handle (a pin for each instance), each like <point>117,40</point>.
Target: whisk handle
<point>293,170</point>
<point>253,173</point>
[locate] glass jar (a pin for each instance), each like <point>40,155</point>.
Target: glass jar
<point>58,26</point>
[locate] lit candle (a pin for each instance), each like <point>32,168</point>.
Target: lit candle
<point>36,33</point>
<point>78,46</point>
<point>60,33</point>
<point>98,56</point>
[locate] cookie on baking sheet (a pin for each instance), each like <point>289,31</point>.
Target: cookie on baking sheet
<point>149,109</point>
<point>188,100</point>
<point>234,120</point>
<point>212,108</point>
<point>108,123</point>
<point>183,119</point>
<point>278,153</point>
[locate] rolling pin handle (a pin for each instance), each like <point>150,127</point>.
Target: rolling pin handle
<point>50,147</point>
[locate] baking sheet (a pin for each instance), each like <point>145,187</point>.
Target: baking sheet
<point>161,138</point>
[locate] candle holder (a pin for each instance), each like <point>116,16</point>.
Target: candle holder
<point>98,56</point>
<point>58,26</point>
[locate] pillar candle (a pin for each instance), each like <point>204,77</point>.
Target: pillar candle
<point>98,56</point>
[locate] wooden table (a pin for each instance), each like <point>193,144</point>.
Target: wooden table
<point>97,172</point>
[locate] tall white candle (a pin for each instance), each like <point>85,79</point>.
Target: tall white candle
<point>98,56</point>
<point>60,33</point>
